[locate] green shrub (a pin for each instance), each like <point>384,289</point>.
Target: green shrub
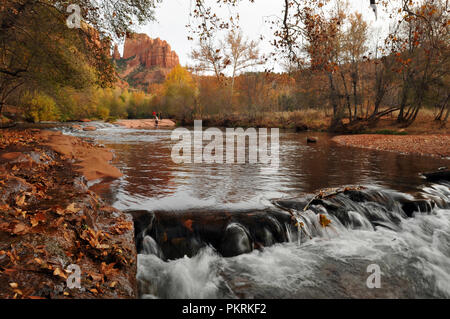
<point>103,112</point>
<point>39,107</point>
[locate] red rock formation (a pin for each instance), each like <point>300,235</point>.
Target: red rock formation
<point>145,61</point>
<point>150,52</point>
<point>116,54</point>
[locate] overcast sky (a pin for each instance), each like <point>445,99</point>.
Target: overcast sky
<point>173,15</point>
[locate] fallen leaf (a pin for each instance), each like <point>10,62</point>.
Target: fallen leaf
<point>71,209</point>
<point>39,217</point>
<point>188,224</point>
<point>60,273</point>
<point>18,291</point>
<point>108,269</point>
<point>96,277</point>
<point>20,200</point>
<point>324,221</point>
<point>14,285</point>
<point>9,271</point>
<point>20,229</point>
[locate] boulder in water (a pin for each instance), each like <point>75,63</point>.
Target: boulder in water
<point>440,175</point>
<point>235,241</point>
<point>312,139</point>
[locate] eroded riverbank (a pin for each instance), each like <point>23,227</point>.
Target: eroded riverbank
<point>437,145</point>
<point>49,219</point>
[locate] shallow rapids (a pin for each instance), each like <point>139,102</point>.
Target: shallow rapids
<point>414,257</point>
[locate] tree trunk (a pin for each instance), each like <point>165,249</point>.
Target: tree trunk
<point>232,88</point>
<point>347,96</point>
<point>379,93</point>
<point>401,114</point>
<point>355,97</point>
<point>442,109</point>
<point>337,114</point>
<point>446,115</point>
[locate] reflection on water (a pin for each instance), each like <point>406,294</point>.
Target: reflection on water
<point>152,180</point>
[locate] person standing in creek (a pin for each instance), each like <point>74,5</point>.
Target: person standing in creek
<point>156,119</point>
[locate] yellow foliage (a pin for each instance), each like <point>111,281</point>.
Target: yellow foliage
<point>39,107</point>
<point>180,77</point>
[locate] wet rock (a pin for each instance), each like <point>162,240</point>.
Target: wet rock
<point>438,176</point>
<point>312,139</point>
<point>12,187</point>
<point>380,208</point>
<point>15,157</point>
<point>229,232</point>
<point>416,206</point>
<point>142,220</point>
<point>77,127</point>
<point>92,161</point>
<point>235,241</point>
<point>89,128</point>
<point>301,128</point>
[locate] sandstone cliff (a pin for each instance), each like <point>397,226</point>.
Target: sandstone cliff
<point>145,60</point>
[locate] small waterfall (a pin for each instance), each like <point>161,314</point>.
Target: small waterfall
<point>150,247</point>
<point>408,236</point>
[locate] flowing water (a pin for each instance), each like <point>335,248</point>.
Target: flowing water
<point>413,256</point>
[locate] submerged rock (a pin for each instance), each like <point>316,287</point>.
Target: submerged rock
<point>312,139</point>
<point>89,128</point>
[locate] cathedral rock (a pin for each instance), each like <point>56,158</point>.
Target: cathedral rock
<point>151,52</point>
<point>145,60</point>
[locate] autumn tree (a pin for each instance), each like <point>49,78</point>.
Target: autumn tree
<point>355,51</point>
<point>423,54</point>
<point>180,94</point>
<point>38,50</point>
<point>234,55</point>
<point>241,54</point>
<point>209,58</point>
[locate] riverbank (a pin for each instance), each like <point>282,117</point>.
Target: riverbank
<point>49,219</point>
<point>437,145</point>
